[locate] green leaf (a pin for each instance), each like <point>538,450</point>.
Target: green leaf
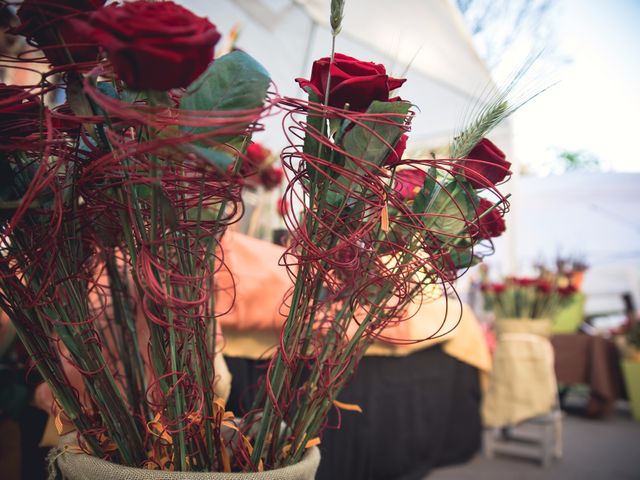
<point>233,82</point>
<point>448,210</point>
<point>217,158</point>
<point>317,124</point>
<point>463,258</point>
<point>421,202</point>
<point>369,141</point>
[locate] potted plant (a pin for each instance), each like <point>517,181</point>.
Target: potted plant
<point>523,383</point>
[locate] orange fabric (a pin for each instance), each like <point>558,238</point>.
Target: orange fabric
<point>252,326</point>
<point>260,284</point>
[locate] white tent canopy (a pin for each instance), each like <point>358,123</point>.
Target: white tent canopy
<point>445,76</point>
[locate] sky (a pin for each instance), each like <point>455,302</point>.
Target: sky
<point>595,107</point>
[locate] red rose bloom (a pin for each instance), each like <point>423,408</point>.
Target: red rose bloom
<point>491,224</point>
<point>49,25</point>
<point>396,154</point>
<point>153,45</point>
<point>525,281</point>
<point>409,182</point>
<point>486,165</point>
<point>271,177</point>
<point>19,114</point>
<point>567,291</point>
<point>352,81</point>
<point>544,287</point>
<point>498,287</point>
<point>257,154</point>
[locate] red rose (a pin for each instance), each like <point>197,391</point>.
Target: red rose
<point>19,114</point>
<point>396,155</point>
<point>491,224</point>
<point>153,45</point>
<point>498,288</point>
<point>544,287</point>
<point>409,182</point>
<point>567,291</point>
<point>49,25</point>
<point>525,281</point>
<point>271,177</point>
<point>352,81</point>
<point>257,154</point>
<point>486,165</point>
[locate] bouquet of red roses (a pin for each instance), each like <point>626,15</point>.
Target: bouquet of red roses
<point>113,205</point>
<point>375,233</point>
<point>523,297</point>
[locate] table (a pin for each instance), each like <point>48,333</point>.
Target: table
<point>420,411</point>
<point>593,361</point>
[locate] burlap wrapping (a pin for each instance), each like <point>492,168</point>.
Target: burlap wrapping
<point>79,466</point>
<point>523,382</point>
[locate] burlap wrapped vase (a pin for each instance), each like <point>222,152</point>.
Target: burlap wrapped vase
<point>523,382</point>
<point>80,466</point>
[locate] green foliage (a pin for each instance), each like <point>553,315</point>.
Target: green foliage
<point>449,209</point>
<point>215,157</point>
<point>574,160</point>
<point>485,121</point>
<point>369,141</point>
<point>234,82</point>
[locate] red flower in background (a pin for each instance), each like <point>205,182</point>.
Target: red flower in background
<point>153,45</point>
<point>490,222</point>
<point>486,165</point>
<point>567,291</point>
<point>271,177</point>
<point>49,25</point>
<point>353,81</point>
<point>544,286</point>
<point>526,281</point>
<point>257,154</point>
<point>409,182</point>
<point>19,114</point>
<point>396,154</point>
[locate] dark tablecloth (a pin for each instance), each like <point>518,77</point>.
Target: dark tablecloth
<point>419,412</point>
<point>592,361</point>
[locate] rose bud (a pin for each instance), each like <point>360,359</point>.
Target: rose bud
<point>153,45</point>
<point>396,154</point>
<point>353,82</point>
<point>271,177</point>
<point>485,165</point>
<point>491,224</point>
<point>409,182</point>
<point>257,154</point>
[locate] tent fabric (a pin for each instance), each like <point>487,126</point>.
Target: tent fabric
<point>594,216</point>
<point>445,76</point>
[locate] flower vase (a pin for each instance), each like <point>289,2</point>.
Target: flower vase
<point>80,466</point>
<point>523,382</point>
